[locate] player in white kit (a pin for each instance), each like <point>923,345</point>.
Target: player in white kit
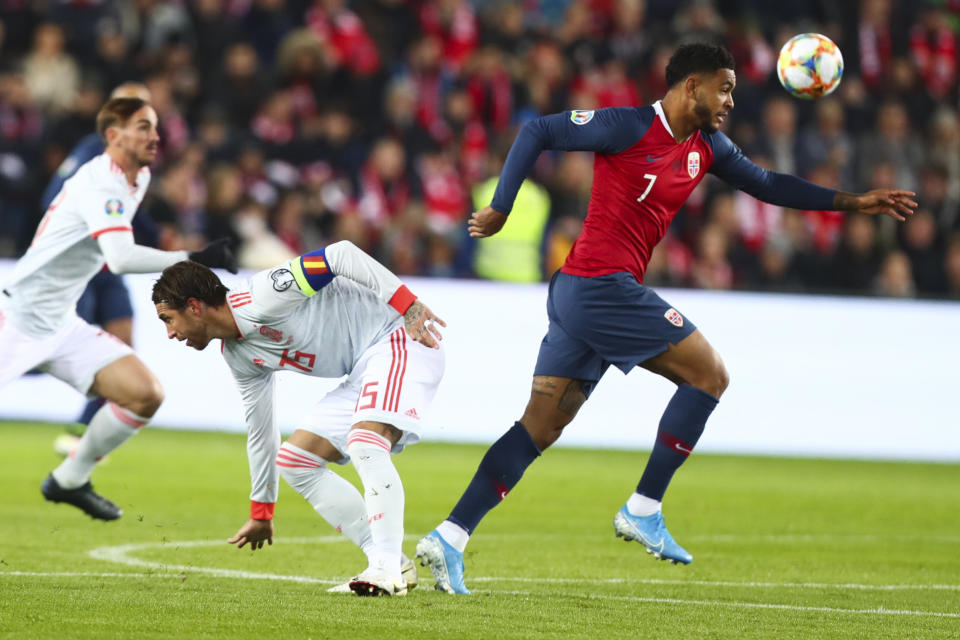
<point>89,224</point>
<point>300,317</point>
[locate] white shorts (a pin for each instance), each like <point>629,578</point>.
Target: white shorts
<point>73,354</point>
<point>394,382</point>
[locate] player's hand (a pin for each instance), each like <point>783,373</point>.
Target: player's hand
<point>485,223</point>
<point>254,532</point>
<point>216,255</point>
<point>895,203</point>
<point>421,324</point>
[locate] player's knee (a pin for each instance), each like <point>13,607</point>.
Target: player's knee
<point>716,380</point>
<point>148,399</point>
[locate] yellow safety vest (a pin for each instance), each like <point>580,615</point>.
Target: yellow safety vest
<point>513,254</point>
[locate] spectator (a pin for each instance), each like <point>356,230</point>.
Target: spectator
<point>51,74</point>
<point>856,263</point>
<point>895,278</point>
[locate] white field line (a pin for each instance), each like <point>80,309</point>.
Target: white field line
<point>745,605</point>
<point>592,596</point>
<point>122,555</point>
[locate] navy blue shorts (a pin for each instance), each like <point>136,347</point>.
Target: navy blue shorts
<point>105,299</point>
<point>596,322</point>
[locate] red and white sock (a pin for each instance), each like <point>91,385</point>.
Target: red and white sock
<point>330,495</point>
<point>110,427</point>
<point>383,491</point>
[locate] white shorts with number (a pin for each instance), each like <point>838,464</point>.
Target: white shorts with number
<point>73,354</point>
<point>394,382</point>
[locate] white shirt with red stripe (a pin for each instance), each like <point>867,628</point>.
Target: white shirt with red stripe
<point>47,281</point>
<point>324,334</point>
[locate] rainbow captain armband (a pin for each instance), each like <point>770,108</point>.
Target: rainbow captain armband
<point>311,271</point>
<point>261,510</point>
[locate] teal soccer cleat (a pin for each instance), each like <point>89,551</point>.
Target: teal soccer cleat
<point>651,532</point>
<point>445,562</point>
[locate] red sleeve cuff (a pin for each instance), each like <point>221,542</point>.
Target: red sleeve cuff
<point>261,510</point>
<point>402,299</point>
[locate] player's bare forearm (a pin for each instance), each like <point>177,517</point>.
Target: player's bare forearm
<point>421,324</point>
<point>256,532</point>
<point>896,203</point>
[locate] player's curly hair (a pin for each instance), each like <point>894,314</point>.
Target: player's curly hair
<point>188,279</point>
<point>697,58</point>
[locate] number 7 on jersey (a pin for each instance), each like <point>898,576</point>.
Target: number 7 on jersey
<point>652,178</point>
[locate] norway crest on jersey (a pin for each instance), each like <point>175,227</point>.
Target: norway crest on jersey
<point>581,117</point>
<point>673,317</point>
<point>693,164</point>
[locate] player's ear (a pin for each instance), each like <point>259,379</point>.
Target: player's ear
<point>111,134</point>
<point>690,85</point>
<point>194,305</point>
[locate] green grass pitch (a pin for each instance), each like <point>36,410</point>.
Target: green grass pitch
<point>783,548</point>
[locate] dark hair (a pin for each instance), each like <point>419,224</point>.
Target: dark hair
<point>116,113</point>
<point>697,58</point>
<point>184,280</point>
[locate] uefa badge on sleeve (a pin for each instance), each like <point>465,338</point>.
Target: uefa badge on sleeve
<point>113,207</point>
<point>693,163</point>
<point>673,317</point>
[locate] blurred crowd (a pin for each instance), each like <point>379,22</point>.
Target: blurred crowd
<point>288,124</point>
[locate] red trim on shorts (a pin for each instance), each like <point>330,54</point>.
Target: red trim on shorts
<point>97,234</point>
<point>402,339</point>
<point>402,299</point>
<point>261,510</point>
<point>393,365</point>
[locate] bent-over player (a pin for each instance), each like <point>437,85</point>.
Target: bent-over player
<point>89,224</point>
<point>648,160</point>
<point>301,317</point>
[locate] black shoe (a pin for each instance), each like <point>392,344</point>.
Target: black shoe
<point>84,497</point>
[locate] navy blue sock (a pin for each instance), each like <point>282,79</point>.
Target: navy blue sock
<point>499,471</point>
<point>680,427</point>
<point>88,411</point>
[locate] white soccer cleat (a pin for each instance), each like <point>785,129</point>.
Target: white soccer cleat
<point>341,588</point>
<point>408,571</point>
<point>376,582</point>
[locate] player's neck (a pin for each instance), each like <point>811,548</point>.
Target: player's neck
<point>221,324</point>
<point>130,167</point>
<point>681,124</point>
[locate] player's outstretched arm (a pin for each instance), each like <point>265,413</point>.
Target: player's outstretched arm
<point>255,532</point>
<point>216,255</point>
<point>895,203</point>
<point>485,222</point>
<point>421,324</point>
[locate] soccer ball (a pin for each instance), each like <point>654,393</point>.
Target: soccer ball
<point>810,66</point>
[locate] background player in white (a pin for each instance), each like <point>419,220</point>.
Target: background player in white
<point>299,317</point>
<point>87,225</point>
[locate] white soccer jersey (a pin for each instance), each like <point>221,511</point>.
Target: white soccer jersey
<point>298,317</point>
<point>42,294</point>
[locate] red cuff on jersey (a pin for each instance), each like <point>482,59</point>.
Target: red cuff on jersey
<point>97,234</point>
<point>261,510</point>
<point>402,299</point>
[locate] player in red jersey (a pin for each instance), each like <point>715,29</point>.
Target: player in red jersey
<point>648,160</point>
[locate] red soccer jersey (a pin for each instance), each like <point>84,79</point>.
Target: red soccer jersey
<point>641,178</point>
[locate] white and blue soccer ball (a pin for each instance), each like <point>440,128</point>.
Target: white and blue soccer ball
<point>810,66</point>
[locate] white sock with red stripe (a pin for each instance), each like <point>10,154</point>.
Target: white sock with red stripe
<point>330,495</point>
<point>110,427</point>
<point>383,491</point>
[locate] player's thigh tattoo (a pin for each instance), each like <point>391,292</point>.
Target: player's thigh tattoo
<point>572,399</point>
<point>569,397</point>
